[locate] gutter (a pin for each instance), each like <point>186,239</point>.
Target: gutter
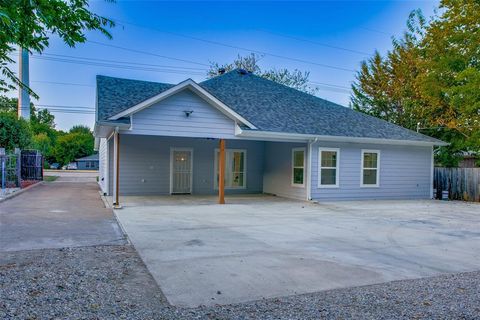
<point>298,137</point>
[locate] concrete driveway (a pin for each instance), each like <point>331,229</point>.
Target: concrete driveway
<point>65,213</point>
<point>260,247</point>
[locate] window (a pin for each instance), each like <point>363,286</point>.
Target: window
<point>298,167</point>
<point>370,168</point>
<point>328,164</point>
<point>235,168</point>
<point>87,164</point>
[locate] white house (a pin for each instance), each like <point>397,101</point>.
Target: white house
<point>261,136</point>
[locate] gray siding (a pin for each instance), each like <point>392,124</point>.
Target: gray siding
<point>145,164</point>
<point>278,170</point>
<point>404,173</point>
<point>167,118</point>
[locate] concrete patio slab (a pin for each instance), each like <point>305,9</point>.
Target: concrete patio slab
<point>201,253</point>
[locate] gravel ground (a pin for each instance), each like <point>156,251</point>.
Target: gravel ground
<point>111,282</point>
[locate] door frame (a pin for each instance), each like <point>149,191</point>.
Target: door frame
<point>172,150</point>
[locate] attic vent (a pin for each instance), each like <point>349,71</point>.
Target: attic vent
<point>242,71</point>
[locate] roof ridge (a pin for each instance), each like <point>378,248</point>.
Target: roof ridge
<point>130,79</point>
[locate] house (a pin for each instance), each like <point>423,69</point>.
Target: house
<point>261,136</point>
<point>90,162</point>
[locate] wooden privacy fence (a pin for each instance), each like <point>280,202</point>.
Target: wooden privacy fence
<point>461,183</point>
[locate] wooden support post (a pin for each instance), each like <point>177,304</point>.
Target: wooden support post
<point>116,173</point>
<point>221,173</point>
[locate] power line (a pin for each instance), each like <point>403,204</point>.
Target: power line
<point>319,85</point>
<point>375,31</point>
<point>119,66</point>
<point>147,53</point>
<point>330,85</point>
<point>57,106</point>
<point>121,62</point>
<point>64,83</point>
<point>243,48</point>
<point>316,42</point>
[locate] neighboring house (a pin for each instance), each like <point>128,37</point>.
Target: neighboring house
<point>88,163</point>
<point>158,139</point>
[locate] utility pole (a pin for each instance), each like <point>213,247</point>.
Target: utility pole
<point>23,95</point>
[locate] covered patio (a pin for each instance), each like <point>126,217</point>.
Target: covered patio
<point>197,200</point>
<point>205,169</point>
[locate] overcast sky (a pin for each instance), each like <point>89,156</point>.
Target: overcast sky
<point>172,41</point>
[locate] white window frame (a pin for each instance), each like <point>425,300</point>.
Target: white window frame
<point>298,185</point>
<point>377,184</point>
<point>337,168</point>
<point>215,168</point>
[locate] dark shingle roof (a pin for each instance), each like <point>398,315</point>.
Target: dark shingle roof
<point>274,107</point>
<point>266,104</point>
<point>91,157</point>
<point>115,95</point>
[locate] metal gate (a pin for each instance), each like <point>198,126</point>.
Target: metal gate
<point>32,165</point>
<point>181,171</point>
<point>9,171</point>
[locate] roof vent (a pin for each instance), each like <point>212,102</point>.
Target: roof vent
<point>242,71</point>
<point>221,71</point>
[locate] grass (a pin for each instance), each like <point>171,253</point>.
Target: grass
<point>50,178</point>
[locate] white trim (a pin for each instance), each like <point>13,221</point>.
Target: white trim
<point>114,178</point>
<point>432,168</point>
<point>377,184</point>
<point>172,150</point>
<point>215,168</point>
<point>299,137</point>
<point>107,166</point>
<point>309,166</point>
<point>189,83</point>
<point>337,168</point>
<point>297,185</point>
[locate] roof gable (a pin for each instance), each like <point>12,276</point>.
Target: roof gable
<point>194,87</point>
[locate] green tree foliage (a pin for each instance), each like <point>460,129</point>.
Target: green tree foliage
<point>295,79</point>
<point>430,77</point>
<point>30,23</point>
<point>73,145</point>
<point>42,123</point>
<point>40,133</point>
<point>80,129</point>
<point>14,132</point>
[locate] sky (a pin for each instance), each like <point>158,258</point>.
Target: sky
<point>172,41</point>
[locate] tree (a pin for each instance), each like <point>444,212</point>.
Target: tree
<point>29,24</point>
<point>430,77</point>
<point>43,143</point>
<point>77,143</point>
<point>14,132</point>
<point>295,79</point>
<point>81,129</point>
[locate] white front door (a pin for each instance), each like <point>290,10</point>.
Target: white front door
<point>181,167</point>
